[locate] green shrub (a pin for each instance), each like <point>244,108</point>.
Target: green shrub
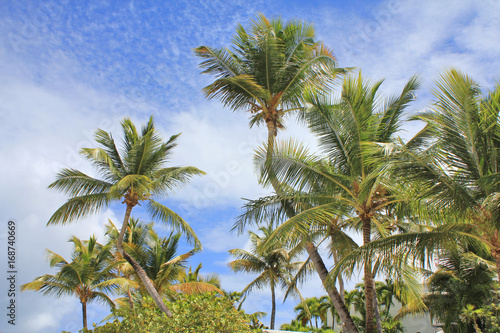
<point>190,314</point>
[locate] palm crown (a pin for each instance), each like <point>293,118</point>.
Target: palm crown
<point>135,173</point>
<point>89,276</point>
<point>268,69</point>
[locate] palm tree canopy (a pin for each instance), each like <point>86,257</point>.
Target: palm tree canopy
<point>458,160</point>
<point>89,276</point>
<point>192,282</point>
<point>274,265</point>
<point>350,176</point>
<point>155,254</point>
<point>271,64</point>
<point>135,173</point>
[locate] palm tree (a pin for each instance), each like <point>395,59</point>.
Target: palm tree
<point>267,74</point>
<point>268,70</point>
<point>89,276</point>
<point>462,279</point>
<point>455,157</point>
<point>313,308</point>
<point>274,266</point>
<point>134,174</point>
<point>352,181</point>
<point>305,311</point>
<point>156,255</point>
<point>134,243</point>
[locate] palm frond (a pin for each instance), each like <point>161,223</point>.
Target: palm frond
<point>163,214</point>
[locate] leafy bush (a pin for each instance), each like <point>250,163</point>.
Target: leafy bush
<point>190,314</point>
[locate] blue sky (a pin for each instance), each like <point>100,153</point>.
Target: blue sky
<point>68,68</point>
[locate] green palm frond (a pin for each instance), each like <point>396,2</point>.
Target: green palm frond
<point>164,214</point>
<point>79,207</point>
<point>414,247</point>
<point>168,179</point>
<point>76,183</point>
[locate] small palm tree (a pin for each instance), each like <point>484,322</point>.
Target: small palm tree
<point>134,243</point>
<point>156,255</point>
<point>134,174</point>
<point>192,282</point>
<point>89,276</point>
<point>275,266</point>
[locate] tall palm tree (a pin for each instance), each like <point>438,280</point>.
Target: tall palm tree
<point>89,276</point>
<point>275,266</point>
<point>352,181</point>
<point>266,74</point>
<point>133,174</point>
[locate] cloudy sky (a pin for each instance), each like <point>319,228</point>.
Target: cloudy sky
<point>68,68</point>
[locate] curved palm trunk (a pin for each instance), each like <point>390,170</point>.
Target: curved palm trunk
<point>369,283</point>
<point>84,313</point>
<point>137,268</point>
<point>273,306</point>
<point>319,265</point>
<point>335,297</point>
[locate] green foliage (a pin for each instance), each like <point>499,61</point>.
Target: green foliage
<point>275,266</point>
<point>190,314</point>
<point>89,276</point>
<point>269,66</point>
<point>462,282</point>
<point>297,326</point>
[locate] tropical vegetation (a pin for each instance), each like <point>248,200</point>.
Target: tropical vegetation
<point>275,266</point>
<point>209,312</point>
<point>422,213</point>
<point>136,173</point>
<point>89,275</point>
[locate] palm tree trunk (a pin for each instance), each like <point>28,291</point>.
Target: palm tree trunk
<point>273,306</point>
<point>337,302</point>
<point>130,301</point>
<point>311,249</point>
<point>271,136</point>
<point>137,268</point>
<point>84,313</point>
<point>376,311</point>
<point>369,284</point>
